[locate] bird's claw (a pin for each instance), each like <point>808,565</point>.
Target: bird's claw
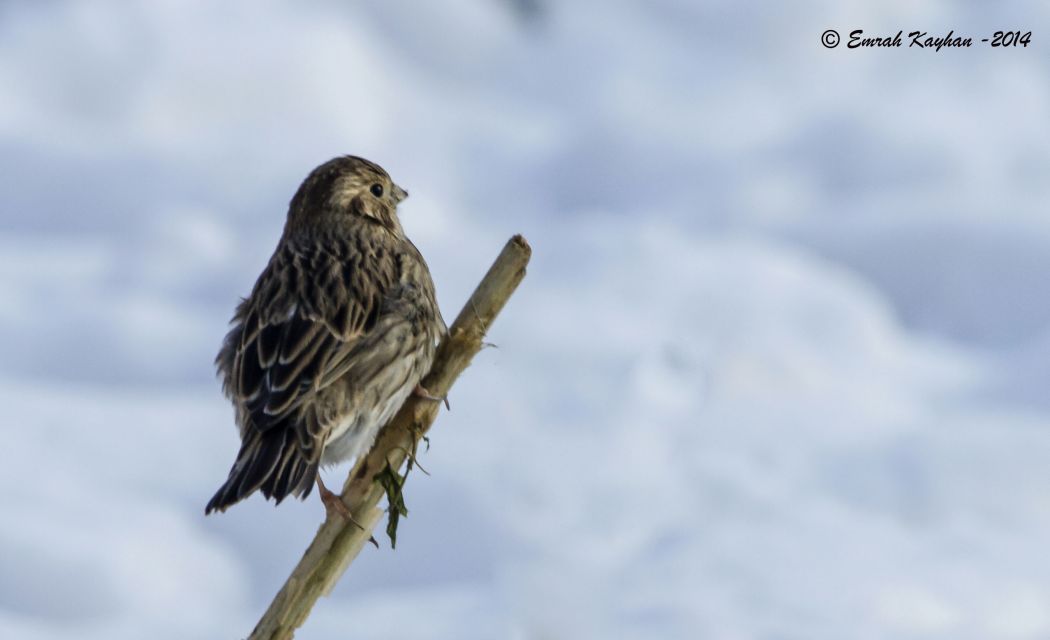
<point>333,503</point>
<point>421,392</point>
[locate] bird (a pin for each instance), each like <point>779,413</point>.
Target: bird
<point>338,331</point>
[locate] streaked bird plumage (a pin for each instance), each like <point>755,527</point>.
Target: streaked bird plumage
<point>337,332</point>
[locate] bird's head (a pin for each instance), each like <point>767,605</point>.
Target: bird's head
<point>344,187</point>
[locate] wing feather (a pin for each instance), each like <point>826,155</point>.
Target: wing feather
<point>308,310</point>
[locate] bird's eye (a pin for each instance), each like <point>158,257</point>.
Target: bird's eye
<point>377,190</point>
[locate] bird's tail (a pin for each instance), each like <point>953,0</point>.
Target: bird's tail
<point>271,462</point>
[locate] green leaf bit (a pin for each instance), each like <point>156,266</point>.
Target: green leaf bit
<point>393,484</point>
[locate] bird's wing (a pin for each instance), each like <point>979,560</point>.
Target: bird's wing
<point>308,309</point>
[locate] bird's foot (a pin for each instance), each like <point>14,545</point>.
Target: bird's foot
<point>421,392</point>
<point>333,503</point>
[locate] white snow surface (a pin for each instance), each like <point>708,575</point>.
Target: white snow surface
<point>778,369</point>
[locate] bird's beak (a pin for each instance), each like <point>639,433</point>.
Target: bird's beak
<point>399,194</point>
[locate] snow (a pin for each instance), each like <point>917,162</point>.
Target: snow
<point>778,369</point>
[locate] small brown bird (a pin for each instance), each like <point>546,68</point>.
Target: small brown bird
<point>337,332</point>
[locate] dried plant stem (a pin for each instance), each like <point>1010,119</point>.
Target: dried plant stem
<point>338,541</point>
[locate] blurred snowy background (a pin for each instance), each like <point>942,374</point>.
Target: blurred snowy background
<point>779,369</point>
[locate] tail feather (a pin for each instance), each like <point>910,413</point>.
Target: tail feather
<point>270,462</point>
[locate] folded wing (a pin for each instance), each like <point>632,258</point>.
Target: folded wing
<point>307,312</point>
